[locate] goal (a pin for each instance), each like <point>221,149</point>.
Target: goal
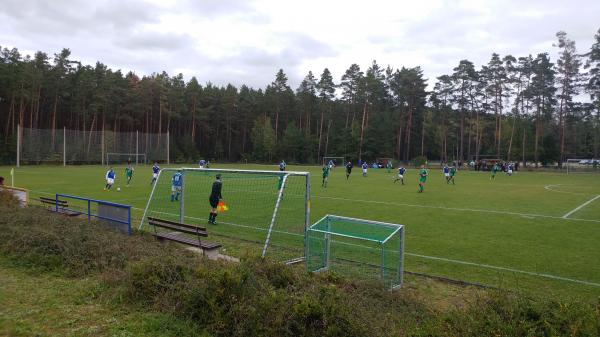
<point>582,166</point>
<point>113,158</point>
<point>337,161</point>
<point>268,211</point>
<point>357,248</point>
<point>384,161</point>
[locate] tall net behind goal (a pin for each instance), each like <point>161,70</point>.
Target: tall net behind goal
<point>267,214</point>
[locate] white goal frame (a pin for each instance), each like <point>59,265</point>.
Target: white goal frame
<point>585,165</point>
<point>284,174</point>
<point>326,160</point>
<point>131,155</point>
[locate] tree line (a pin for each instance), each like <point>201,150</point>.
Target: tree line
<point>527,108</point>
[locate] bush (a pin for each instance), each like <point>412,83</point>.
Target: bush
<point>259,297</point>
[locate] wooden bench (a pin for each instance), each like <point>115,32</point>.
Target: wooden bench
<point>177,228</point>
<point>63,206</point>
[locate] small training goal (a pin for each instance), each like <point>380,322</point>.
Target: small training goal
<point>357,248</point>
<point>573,166</point>
<point>114,158</point>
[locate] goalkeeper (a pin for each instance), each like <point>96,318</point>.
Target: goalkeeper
<point>213,199</point>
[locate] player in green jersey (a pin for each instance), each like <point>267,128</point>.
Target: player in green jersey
<point>452,174</point>
<point>422,178</point>
<point>325,175</point>
<point>128,174</point>
<point>495,169</point>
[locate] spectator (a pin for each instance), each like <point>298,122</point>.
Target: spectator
<point>1,181</point>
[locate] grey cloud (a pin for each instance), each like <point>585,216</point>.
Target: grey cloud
<point>144,41</point>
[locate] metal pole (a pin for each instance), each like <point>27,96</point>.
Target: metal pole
<point>306,215</point>
<point>181,204</point>
<point>102,145</point>
<point>150,199</point>
<point>168,146</point>
<point>64,146</point>
<point>19,145</point>
<point>136,147</point>
<point>264,252</point>
<point>401,269</point>
<point>382,262</point>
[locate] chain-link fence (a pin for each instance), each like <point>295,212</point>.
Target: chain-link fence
<point>35,146</point>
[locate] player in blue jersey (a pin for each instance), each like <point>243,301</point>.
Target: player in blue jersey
<point>446,173</point>
<point>509,169</point>
<point>282,165</point>
<point>202,163</point>
<point>401,171</point>
<point>155,170</point>
<point>176,182</point>
<point>365,168</point>
<point>330,164</point>
<point>110,178</point>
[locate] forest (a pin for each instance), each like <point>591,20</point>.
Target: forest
<point>527,108</point>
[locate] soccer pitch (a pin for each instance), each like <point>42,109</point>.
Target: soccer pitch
<point>535,232</point>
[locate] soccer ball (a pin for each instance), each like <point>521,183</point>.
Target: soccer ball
<point>118,189</point>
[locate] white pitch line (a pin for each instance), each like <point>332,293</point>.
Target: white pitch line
<point>549,188</point>
<point>458,209</point>
<point>566,216</point>
<point>479,265</point>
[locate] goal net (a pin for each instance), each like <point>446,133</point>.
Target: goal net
<point>357,248</point>
<point>268,211</point>
<point>337,161</point>
<point>384,161</point>
<point>122,158</point>
<point>582,166</point>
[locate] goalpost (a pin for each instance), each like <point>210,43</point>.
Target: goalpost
<point>357,248</point>
<point>268,211</point>
<point>384,161</point>
<point>120,158</point>
<point>337,161</point>
<point>582,166</point>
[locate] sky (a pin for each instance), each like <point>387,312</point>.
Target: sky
<point>247,42</point>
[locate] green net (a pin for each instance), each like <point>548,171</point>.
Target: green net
<point>358,249</point>
<point>250,198</point>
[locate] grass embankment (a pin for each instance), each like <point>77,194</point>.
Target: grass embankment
<point>68,277</point>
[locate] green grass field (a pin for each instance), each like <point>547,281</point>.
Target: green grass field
<point>511,232</point>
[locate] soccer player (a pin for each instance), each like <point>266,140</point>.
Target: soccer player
<point>452,174</point>
<point>282,165</point>
<point>325,175</point>
<point>110,178</point>
<point>155,170</point>
<point>447,173</point>
<point>128,173</point>
<point>330,164</point>
<point>348,169</point>
<point>213,199</point>
<point>389,166</point>
<point>176,185</point>
<point>495,169</point>
<point>202,163</point>
<point>401,171</point>
<point>422,178</point>
<point>509,171</point>
<point>365,167</point>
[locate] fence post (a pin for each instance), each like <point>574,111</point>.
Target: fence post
<point>102,144</point>
<point>168,146</point>
<point>18,145</point>
<point>64,146</point>
<point>136,146</point>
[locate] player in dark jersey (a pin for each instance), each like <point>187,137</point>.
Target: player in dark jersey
<point>215,196</point>
<point>348,170</point>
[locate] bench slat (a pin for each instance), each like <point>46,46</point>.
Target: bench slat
<point>178,224</point>
<point>176,227</point>
<point>188,241</point>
